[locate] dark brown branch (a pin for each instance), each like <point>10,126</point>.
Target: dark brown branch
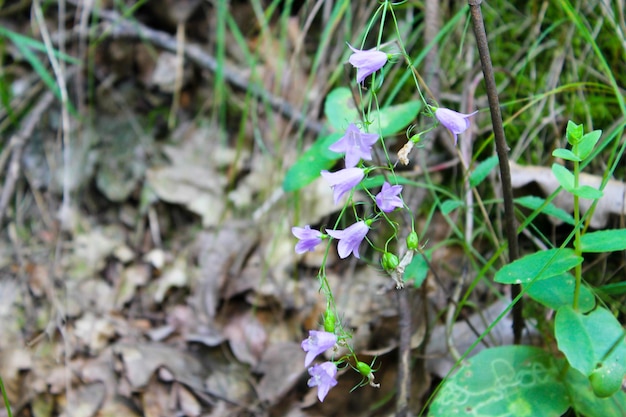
<point>501,150</point>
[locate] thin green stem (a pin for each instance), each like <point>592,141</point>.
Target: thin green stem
<point>577,246</point>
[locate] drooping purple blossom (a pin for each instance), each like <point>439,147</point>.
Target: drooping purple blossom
<point>343,180</point>
<point>356,145</point>
<point>308,238</point>
<point>366,62</point>
<point>318,342</point>
<point>454,121</point>
<point>350,238</point>
<point>323,377</point>
<point>387,199</point>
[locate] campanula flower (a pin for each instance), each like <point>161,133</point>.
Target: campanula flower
<point>454,121</point>
<point>387,199</point>
<point>350,238</point>
<point>323,377</point>
<point>309,238</point>
<point>356,145</point>
<point>343,180</point>
<point>317,342</point>
<point>366,62</point>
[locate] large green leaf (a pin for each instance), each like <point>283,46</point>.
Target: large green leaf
<point>538,266</point>
<point>519,381</point>
<point>340,111</point>
<point>594,345</point>
<point>558,291</point>
<point>307,168</point>
<point>604,241</point>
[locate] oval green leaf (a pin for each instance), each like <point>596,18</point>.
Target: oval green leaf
<point>504,381</point>
<point>538,266</point>
<point>565,154</point>
<point>482,170</point>
<point>558,291</point>
<point>604,241</point>
<point>307,168</point>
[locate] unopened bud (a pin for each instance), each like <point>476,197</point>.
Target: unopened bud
<point>390,261</point>
<point>412,241</point>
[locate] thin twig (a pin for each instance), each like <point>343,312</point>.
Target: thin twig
<point>501,150</point>
<point>125,29</point>
<point>16,144</point>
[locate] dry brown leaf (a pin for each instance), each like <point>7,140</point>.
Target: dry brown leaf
<point>131,278</point>
<point>84,401</point>
<point>231,383</point>
<point>246,336</point>
<point>282,365</point>
<point>142,360</point>
<point>174,276</point>
<point>13,365</point>
<point>186,401</point>
<point>155,400</point>
<point>94,333</point>
<point>613,202</point>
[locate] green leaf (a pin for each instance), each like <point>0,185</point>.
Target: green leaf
<point>565,154</point>
<point>340,111</point>
<point>394,119</point>
<point>534,202</point>
<point>564,176</point>
<point>307,168</point>
<point>558,291</point>
<point>504,381</point>
<point>586,403</point>
<point>587,143</point>
<point>449,205</point>
<point>574,132</point>
<point>594,345</point>
<point>573,340</point>
<point>604,241</point>
<point>482,170</point>
<point>538,266</point>
<point>417,270</point>
<point>585,191</point>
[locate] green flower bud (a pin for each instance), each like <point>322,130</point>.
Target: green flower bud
<point>390,261</point>
<point>412,241</point>
<point>329,321</point>
<point>416,138</point>
<point>363,368</point>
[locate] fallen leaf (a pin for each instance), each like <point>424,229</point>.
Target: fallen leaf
<point>613,202</point>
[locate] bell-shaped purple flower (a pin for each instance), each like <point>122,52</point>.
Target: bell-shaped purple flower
<point>350,238</point>
<point>318,342</point>
<point>387,199</point>
<point>366,62</point>
<point>356,145</point>
<point>323,377</point>
<point>454,121</point>
<point>343,180</point>
<point>309,238</point>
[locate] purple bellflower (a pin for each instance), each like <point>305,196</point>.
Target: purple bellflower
<point>343,180</point>
<point>309,238</point>
<point>366,62</point>
<point>318,342</point>
<point>454,121</point>
<point>356,145</point>
<point>323,377</point>
<point>350,238</point>
<point>387,199</point>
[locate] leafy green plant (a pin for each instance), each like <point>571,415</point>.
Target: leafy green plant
<point>588,335</point>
